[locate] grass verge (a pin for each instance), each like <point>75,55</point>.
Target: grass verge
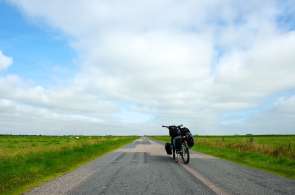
<point>281,165</point>
<point>21,172</point>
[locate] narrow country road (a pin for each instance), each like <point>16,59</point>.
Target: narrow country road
<point>144,168</point>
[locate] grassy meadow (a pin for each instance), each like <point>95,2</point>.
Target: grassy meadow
<point>275,153</point>
<point>26,161</point>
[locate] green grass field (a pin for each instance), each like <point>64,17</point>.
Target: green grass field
<point>275,153</point>
<point>26,161</point>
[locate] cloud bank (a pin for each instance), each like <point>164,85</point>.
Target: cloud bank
<point>218,67</point>
<point>5,61</point>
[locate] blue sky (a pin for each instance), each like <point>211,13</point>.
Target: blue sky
<point>217,67</point>
<point>38,50</point>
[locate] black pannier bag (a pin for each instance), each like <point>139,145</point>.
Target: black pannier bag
<point>189,137</point>
<point>184,131</point>
<point>168,148</point>
<point>174,131</point>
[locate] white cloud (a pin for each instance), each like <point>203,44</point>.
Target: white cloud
<point>157,62</point>
<point>277,118</point>
<point>265,69</point>
<point>5,61</point>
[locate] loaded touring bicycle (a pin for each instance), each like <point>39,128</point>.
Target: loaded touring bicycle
<point>181,141</point>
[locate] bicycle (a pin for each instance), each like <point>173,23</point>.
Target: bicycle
<point>179,144</point>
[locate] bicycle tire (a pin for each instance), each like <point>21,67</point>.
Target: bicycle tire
<point>186,150</point>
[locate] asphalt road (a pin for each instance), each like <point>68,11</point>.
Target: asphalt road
<point>143,168</point>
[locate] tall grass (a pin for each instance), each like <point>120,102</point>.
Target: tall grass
<point>27,160</point>
<point>276,146</point>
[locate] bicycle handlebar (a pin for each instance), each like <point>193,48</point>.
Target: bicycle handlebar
<point>172,126</point>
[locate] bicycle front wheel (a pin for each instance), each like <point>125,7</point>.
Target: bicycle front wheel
<point>185,154</point>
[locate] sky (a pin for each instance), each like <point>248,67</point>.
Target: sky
<point>116,67</point>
